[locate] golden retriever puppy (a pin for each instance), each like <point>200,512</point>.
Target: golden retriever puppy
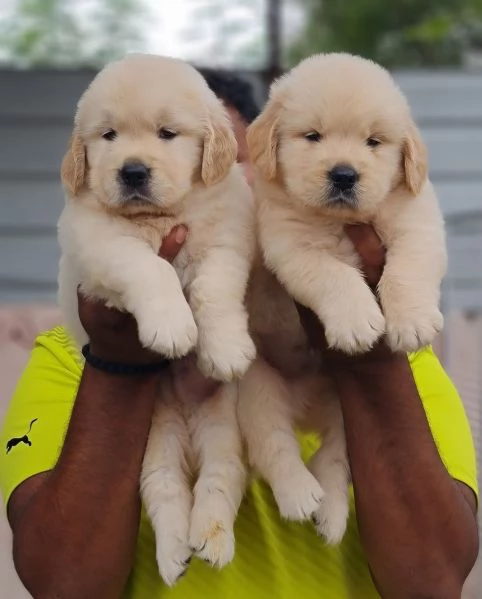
<point>335,144</point>
<point>152,147</point>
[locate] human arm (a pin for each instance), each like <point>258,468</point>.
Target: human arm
<point>417,524</point>
<point>75,527</point>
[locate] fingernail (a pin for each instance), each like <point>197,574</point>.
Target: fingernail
<point>181,234</point>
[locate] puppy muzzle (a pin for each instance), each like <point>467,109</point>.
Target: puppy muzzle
<point>134,178</point>
<point>342,180</point>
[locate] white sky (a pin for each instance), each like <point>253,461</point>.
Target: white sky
<point>170,17</point>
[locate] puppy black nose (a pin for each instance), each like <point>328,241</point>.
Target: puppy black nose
<point>135,174</point>
<point>343,176</point>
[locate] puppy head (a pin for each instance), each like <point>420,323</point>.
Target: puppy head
<point>338,134</point>
<point>147,130</point>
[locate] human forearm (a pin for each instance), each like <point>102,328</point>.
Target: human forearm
<point>77,534</point>
<point>417,529</point>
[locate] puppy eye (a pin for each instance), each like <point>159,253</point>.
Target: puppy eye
<point>166,133</point>
<point>313,136</point>
<point>109,135</point>
<point>373,142</point>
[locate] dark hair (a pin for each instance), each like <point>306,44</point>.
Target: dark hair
<point>233,91</point>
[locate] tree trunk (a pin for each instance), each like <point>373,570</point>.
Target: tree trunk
<point>273,33</point>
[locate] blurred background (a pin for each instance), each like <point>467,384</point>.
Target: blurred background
<point>50,50</point>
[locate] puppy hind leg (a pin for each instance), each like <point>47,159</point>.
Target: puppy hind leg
<point>331,468</point>
<point>266,422</point>
<point>222,476</point>
<point>165,486</point>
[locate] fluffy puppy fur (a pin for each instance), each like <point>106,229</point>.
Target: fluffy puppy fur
<point>152,147</point>
<point>335,144</point>
<point>333,113</point>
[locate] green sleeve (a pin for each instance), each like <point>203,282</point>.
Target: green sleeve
<point>42,402</point>
<point>446,416</point>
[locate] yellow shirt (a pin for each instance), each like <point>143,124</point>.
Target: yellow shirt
<point>274,558</point>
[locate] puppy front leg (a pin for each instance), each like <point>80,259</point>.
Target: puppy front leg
<point>330,286</point>
<point>216,296</point>
<point>221,481</point>
<point>126,267</point>
<point>165,485</point>
<point>416,263</point>
<point>266,422</point>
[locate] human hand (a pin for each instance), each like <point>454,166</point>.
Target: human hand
<point>188,381</point>
<point>370,249</point>
<point>113,334</point>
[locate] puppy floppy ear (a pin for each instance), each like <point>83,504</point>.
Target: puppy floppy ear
<point>415,160</point>
<point>220,147</point>
<point>263,141</point>
<point>74,165</point>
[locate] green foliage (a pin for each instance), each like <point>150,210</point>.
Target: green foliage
<point>40,29</point>
<point>411,33</point>
<point>66,33</point>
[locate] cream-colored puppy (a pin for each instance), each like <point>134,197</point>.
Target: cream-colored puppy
<point>335,144</point>
<point>152,147</point>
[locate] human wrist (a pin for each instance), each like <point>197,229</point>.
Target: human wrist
<point>118,352</point>
<point>121,385</point>
<point>379,360</point>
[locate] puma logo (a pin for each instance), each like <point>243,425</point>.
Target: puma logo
<point>24,439</point>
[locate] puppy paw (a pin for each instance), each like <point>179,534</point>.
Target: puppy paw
<point>299,495</point>
<point>331,517</point>
<point>173,554</point>
<point>211,535</point>
<point>358,328</point>
<point>115,304</point>
<point>213,543</point>
<point>170,331</point>
<point>225,352</point>
<point>413,328</point>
